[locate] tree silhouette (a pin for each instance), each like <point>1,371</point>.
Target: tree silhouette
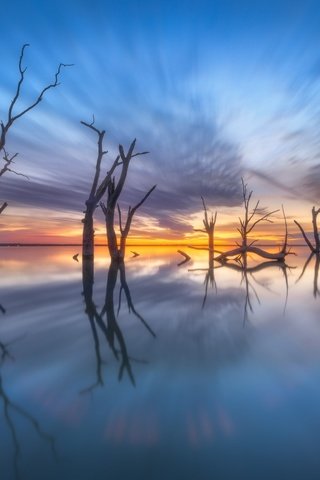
<point>98,189</point>
<point>209,225</point>
<point>316,247</point>
<point>251,218</point>
<point>14,113</point>
<point>117,251</point>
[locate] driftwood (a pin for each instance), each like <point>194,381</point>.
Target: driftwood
<point>187,258</point>
<point>316,247</point>
<point>280,256</point>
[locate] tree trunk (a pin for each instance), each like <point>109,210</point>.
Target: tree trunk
<point>315,230</point>
<point>211,243</point>
<point>111,235</point>
<point>88,232</point>
<point>122,251</point>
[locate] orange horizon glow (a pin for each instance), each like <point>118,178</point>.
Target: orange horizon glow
<point>39,226</point>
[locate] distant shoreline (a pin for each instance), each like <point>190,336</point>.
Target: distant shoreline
<point>134,245</point>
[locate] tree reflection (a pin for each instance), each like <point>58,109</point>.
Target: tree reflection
<point>241,265</point>
<point>106,321</point>
<point>316,291</point>
<point>209,279</point>
<point>247,272</point>
<point>10,411</point>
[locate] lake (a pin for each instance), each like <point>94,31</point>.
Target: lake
<point>212,374</point>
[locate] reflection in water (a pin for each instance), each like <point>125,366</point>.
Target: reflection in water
<point>5,353</point>
<point>217,400</point>
<point>248,277</point>
<point>312,256</point>
<point>10,408</point>
<point>241,264</point>
<point>209,277</point>
<point>110,327</point>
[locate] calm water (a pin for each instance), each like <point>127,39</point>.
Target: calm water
<point>195,385</point>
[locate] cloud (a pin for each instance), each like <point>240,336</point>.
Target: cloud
<point>312,182</point>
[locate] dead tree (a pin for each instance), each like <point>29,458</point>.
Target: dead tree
<point>209,224</point>
<point>316,247</point>
<point>116,249</point>
<point>13,114</point>
<point>250,220</point>
<point>98,189</point>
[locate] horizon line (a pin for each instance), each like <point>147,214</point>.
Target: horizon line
<point>19,244</point>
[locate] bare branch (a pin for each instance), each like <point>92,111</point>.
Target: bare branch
<point>138,154</point>
<point>22,71</point>
<point>187,258</point>
<point>305,236</point>
<point>54,84</point>
<point>265,217</point>
<point>120,219</point>
<point>3,206</point>
<point>8,160</point>
<point>100,154</point>
<point>106,181</point>
<point>133,210</point>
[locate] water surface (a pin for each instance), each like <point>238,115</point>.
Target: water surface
<point>213,373</point>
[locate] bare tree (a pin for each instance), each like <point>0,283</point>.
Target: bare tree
<point>117,251</point>
<point>209,224</point>
<point>13,114</point>
<point>316,247</point>
<point>249,221</point>
<point>98,189</point>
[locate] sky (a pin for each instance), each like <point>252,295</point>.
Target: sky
<point>214,90</point>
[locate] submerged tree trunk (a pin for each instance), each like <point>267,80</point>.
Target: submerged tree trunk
<point>209,225</point>
<point>315,214</point>
<point>88,232</point>
<point>96,193</point>
<point>112,237</point>
<point>117,251</point>
<point>316,247</point>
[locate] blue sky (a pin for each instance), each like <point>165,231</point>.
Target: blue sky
<point>213,89</point>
